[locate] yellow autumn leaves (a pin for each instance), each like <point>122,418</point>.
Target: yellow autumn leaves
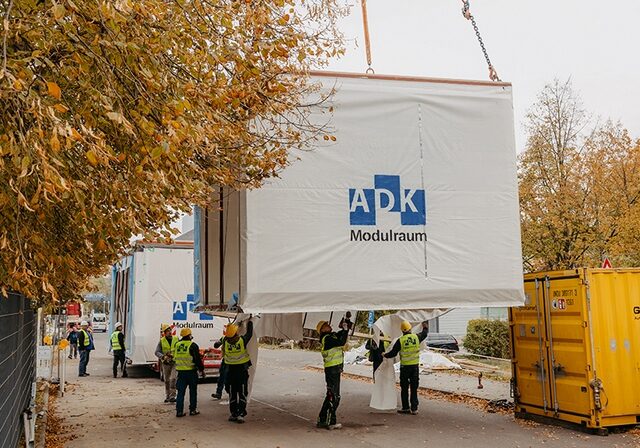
<point>117,116</point>
<point>54,90</point>
<point>579,187</point>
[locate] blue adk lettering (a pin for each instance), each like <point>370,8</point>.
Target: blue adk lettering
<point>183,309</point>
<point>388,196</point>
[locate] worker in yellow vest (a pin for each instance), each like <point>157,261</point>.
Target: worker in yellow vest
<point>118,350</point>
<point>332,349</point>
<point>408,346</point>
<point>85,345</point>
<point>188,363</point>
<point>237,361</point>
<point>164,352</point>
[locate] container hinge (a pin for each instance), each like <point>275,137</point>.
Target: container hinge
<point>584,324</point>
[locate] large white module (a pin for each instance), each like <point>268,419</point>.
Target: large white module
<point>414,205</point>
<point>154,285</point>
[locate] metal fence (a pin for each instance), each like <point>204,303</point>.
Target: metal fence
<point>17,365</point>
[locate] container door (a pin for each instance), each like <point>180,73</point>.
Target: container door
<point>530,352</point>
<point>121,299</point>
<point>567,335</point>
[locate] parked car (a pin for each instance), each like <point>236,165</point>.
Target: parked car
<point>99,322</point>
<point>442,341</point>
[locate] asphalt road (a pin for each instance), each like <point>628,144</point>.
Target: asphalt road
<point>100,411</point>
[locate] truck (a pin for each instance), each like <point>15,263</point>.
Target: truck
<point>151,286</point>
<point>74,310</point>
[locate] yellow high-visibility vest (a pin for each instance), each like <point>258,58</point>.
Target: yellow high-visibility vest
<point>86,342</point>
<point>115,342</point>
<point>409,350</point>
<point>182,357</point>
<point>236,353</point>
<point>166,347</point>
<point>332,357</point>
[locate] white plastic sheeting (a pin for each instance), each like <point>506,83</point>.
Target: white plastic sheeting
<point>414,205</point>
<point>356,355</point>
<point>384,396</point>
<point>428,359</point>
<point>432,360</point>
<point>389,324</point>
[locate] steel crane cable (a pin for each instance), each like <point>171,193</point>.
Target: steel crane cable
<point>466,12</point>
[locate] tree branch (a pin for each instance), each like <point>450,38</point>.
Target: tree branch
<point>4,39</point>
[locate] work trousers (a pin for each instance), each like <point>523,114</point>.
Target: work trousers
<point>332,399</point>
<point>222,379</point>
<point>119,357</point>
<point>169,375</point>
<point>84,361</point>
<point>187,378</point>
<point>73,350</point>
<point>409,378</point>
<point>238,378</point>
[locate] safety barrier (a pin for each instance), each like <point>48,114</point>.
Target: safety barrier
<point>17,366</point>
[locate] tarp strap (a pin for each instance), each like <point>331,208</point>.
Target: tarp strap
<point>367,43</point>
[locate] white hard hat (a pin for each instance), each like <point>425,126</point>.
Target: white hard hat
<point>84,322</point>
<point>118,324</point>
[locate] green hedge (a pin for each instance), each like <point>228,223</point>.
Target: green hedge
<point>488,338</point>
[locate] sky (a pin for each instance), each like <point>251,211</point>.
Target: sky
<point>530,42</point>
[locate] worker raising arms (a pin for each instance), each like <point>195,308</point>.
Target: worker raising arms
<point>332,347</point>
<point>408,345</point>
<point>236,358</point>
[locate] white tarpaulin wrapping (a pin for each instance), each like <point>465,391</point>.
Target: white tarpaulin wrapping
<point>414,205</point>
<point>383,394</point>
<point>389,324</point>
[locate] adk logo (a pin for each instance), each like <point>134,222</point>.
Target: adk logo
<point>182,310</point>
<point>388,196</point>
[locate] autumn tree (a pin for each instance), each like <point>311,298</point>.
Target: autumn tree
<point>579,186</point>
<point>118,115</point>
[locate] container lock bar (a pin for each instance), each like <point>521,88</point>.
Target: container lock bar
<point>596,385</point>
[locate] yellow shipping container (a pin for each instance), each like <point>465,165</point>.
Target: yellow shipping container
<point>576,347</point>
